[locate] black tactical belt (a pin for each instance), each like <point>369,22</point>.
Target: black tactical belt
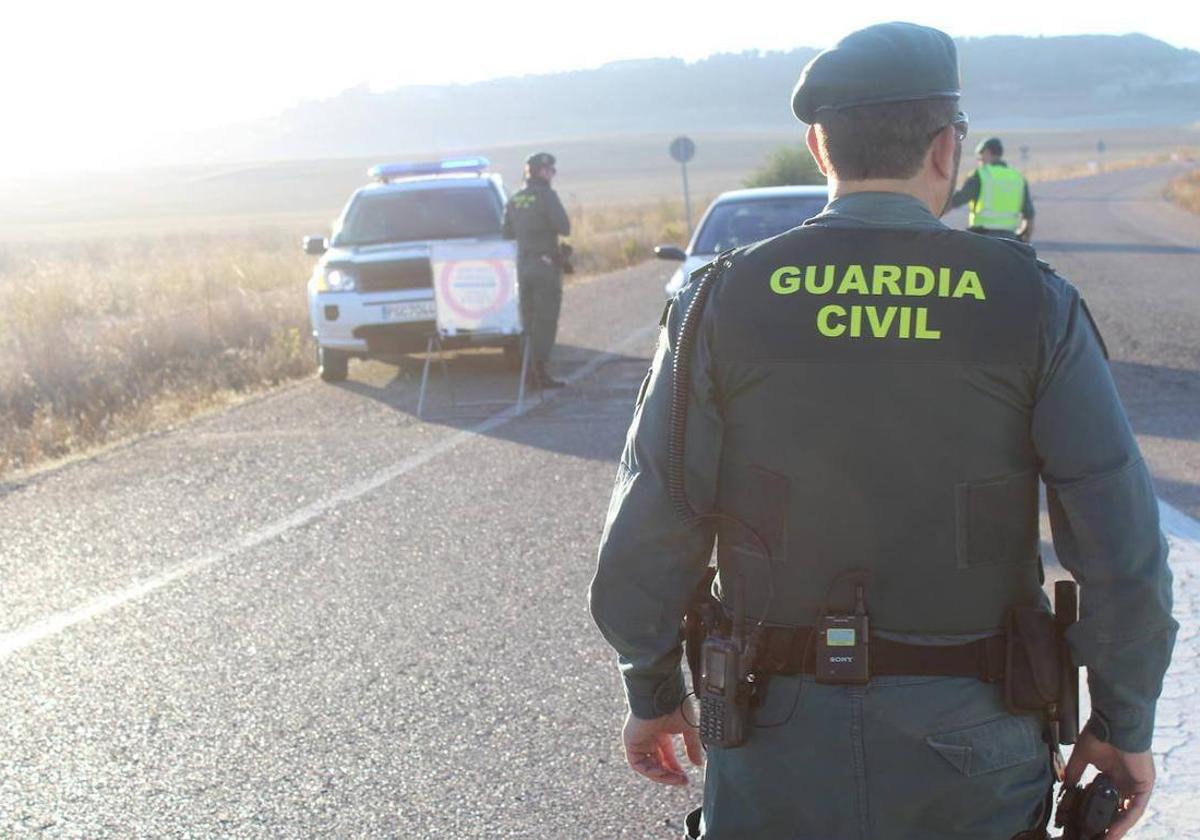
<point>792,650</point>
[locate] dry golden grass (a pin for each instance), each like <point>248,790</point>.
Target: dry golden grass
<point>620,235</point>
<point>104,339</point>
<point>1095,167</point>
<point>1185,191</point>
<point>101,341</point>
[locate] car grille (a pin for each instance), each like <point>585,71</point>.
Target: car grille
<point>402,274</point>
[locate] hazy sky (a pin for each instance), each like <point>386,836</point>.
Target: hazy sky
<point>93,84</point>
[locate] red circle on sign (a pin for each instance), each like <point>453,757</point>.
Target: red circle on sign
<point>504,289</point>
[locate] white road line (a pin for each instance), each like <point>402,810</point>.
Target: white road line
<point>52,625</point>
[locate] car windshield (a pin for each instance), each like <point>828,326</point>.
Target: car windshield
<point>420,214</point>
<point>732,224</point>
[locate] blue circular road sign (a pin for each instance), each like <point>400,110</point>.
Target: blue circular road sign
<point>683,149</point>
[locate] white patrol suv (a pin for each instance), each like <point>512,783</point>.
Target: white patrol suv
<point>371,293</point>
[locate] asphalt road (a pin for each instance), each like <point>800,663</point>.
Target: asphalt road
<point>314,615</point>
<point>1136,258</point>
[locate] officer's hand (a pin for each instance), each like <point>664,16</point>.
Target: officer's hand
<point>650,745</point>
<point>1132,773</point>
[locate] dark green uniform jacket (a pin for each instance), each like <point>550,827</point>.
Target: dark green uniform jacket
<point>876,391</point>
<point>535,217</point>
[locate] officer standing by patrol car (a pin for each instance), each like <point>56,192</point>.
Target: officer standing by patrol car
<point>535,217</point>
<point>997,195</point>
<point>864,406</point>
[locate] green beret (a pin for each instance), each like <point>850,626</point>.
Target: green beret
<point>888,62</point>
<point>540,159</point>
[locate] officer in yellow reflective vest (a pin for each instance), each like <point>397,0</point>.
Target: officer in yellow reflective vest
<point>997,195</point>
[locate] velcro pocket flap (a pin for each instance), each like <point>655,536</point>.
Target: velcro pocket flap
<point>994,745</point>
<point>997,521</point>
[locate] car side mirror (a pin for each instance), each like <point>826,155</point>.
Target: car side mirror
<point>670,252</point>
<point>315,246</point>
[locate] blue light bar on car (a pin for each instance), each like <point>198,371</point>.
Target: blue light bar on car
<point>385,172</point>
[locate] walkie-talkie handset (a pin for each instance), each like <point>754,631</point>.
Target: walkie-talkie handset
<point>724,697</point>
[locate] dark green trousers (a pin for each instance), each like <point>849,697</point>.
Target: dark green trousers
<point>541,301</point>
<point>934,758</point>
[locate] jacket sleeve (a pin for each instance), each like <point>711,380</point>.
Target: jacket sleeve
<point>650,562</point>
<point>1027,203</point>
<point>969,191</point>
<point>509,232</point>
<point>1104,518</point>
<point>556,215</point>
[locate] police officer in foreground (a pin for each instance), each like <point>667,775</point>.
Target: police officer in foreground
<point>535,217</point>
<point>997,195</point>
<point>870,402</point>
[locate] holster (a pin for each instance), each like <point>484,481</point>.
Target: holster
<point>1033,673</point>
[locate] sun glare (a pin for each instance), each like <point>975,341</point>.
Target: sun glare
<point>119,84</point>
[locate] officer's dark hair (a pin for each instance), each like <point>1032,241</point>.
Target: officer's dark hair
<point>993,145</point>
<point>881,141</point>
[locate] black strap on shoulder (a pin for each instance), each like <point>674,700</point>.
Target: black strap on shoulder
<point>681,382</point>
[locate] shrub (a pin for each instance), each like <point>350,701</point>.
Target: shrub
<point>1185,191</point>
<point>787,166</point>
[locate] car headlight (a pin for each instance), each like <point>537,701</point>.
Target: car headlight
<point>336,280</point>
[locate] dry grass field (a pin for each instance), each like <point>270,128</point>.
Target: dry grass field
<point>103,338</point>
<point>130,301</point>
<point>1185,191</point>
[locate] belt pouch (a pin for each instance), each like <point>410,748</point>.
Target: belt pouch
<point>1032,675</point>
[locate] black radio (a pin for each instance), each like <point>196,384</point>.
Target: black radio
<point>724,695</point>
<point>842,650</point>
<point>841,642</point>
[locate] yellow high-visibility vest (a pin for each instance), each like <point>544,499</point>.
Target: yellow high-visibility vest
<point>1001,198</point>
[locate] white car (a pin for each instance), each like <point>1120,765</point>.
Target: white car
<point>371,293</point>
<point>739,218</point>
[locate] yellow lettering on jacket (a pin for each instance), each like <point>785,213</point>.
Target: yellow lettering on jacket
<point>882,280</point>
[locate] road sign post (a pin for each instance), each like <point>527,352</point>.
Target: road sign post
<point>683,149</point>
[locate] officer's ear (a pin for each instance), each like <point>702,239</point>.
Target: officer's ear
<point>943,152</point>
<point>814,148</point>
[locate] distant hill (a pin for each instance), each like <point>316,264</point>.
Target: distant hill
<point>1061,82</point>
<point>1082,79</point>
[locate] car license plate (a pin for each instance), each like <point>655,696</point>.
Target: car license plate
<point>413,310</point>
